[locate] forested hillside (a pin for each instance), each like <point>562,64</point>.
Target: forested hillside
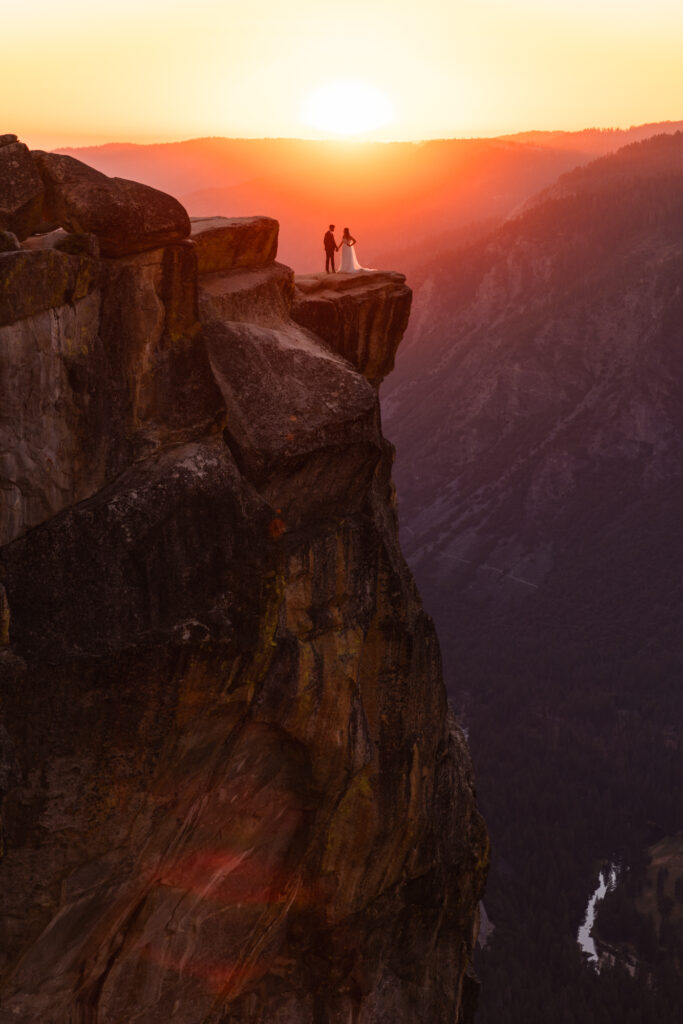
<point>537,410</point>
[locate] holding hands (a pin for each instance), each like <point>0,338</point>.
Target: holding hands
<point>349,261</point>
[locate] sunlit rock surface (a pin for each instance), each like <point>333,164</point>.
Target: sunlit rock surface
<point>126,216</point>
<point>231,787</point>
<point>226,243</point>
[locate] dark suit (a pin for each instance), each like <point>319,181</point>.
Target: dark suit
<point>330,249</point>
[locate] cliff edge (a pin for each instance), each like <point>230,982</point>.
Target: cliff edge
<point>231,787</point>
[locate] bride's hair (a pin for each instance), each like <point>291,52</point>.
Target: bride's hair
<point>346,231</point>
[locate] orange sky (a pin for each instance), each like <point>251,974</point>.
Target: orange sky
<point>88,71</point>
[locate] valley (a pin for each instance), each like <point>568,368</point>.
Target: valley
<point>536,412</point>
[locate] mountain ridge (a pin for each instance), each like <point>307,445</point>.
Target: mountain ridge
<point>436,185</point>
<point>537,411</point>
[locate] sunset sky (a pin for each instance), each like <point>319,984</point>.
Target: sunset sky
<point>80,72</point>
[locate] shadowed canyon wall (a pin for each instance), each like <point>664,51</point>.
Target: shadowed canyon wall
<point>232,790</point>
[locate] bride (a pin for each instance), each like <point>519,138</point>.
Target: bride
<point>349,262</point>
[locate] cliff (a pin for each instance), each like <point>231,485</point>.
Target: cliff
<point>231,787</point>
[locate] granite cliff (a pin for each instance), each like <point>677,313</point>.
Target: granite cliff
<point>232,790</point>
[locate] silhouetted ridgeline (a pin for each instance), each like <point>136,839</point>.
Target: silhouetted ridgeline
<point>402,200</point>
<point>231,786</point>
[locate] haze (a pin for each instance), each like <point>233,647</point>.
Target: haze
<point>122,70</point>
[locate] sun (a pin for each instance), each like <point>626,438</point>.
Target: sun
<point>347,107</point>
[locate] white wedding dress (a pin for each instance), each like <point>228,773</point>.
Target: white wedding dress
<point>349,262</point>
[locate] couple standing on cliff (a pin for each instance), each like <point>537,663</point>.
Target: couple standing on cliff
<point>349,262</point>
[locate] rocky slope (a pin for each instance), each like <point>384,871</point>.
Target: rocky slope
<point>537,405</point>
<point>231,787</point>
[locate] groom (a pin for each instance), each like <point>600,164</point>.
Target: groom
<point>330,249</point>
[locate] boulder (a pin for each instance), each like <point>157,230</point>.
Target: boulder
<point>361,316</point>
<point>228,243</point>
<point>126,216</point>
<point>21,188</point>
<point>302,426</point>
<point>8,242</point>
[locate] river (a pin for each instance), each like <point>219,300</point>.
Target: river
<point>607,879</point>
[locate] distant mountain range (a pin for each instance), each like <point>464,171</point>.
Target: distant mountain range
<point>401,200</point>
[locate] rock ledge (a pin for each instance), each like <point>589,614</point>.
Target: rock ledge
<point>361,316</point>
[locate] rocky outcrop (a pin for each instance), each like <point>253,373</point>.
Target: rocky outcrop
<point>231,787</point>
<point>98,357</point>
<point>227,243</point>
<point>361,316</point>
<point>8,242</point>
<point>125,216</point>
<point>21,188</point>
<point>303,456</point>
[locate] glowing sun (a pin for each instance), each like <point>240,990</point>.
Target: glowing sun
<point>348,107</point>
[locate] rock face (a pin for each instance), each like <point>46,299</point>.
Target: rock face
<point>362,316</point>
<point>100,359</point>
<point>21,188</point>
<point>231,787</point>
<point>226,243</point>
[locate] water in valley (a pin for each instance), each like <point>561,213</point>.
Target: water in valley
<point>607,879</point>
